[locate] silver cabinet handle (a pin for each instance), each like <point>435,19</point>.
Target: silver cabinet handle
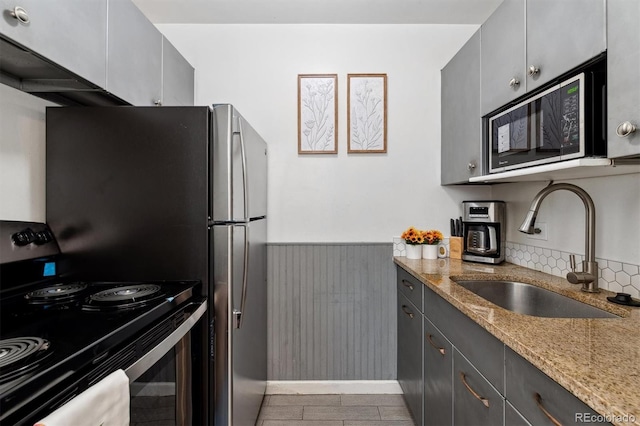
<point>533,71</point>
<point>538,399</point>
<point>407,284</point>
<point>406,310</point>
<point>20,14</point>
<point>475,394</point>
<point>157,102</point>
<point>514,83</point>
<point>625,129</point>
<point>471,166</point>
<point>430,340</point>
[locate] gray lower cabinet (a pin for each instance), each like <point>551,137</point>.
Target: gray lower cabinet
<point>623,75</point>
<point>476,402</point>
<point>72,35</point>
<point>438,383</point>
<point>177,77</point>
<point>134,61</point>
<point>454,372</point>
<point>540,399</point>
<point>461,142</point>
<point>410,355</point>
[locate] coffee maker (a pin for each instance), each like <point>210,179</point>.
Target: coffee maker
<point>484,231</point>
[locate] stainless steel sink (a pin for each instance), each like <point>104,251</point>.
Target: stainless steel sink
<point>531,300</point>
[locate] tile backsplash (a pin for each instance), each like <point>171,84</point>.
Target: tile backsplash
<point>614,276</point>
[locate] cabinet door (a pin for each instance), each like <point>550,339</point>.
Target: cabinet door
<point>623,76</point>
<point>461,146</point>
<point>475,401</point>
<point>410,355</point>
<point>562,35</point>
<point>502,60</point>
<point>177,77</point>
<point>438,370</point>
<point>512,417</point>
<point>541,400</point>
<point>72,34</point>
<point>134,55</point>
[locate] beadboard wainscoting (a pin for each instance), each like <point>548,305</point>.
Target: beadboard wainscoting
<point>331,311</point>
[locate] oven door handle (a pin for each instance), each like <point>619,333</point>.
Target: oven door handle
<point>143,364</point>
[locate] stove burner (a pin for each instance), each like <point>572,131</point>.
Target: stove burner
<point>124,297</point>
<point>58,293</point>
<point>18,356</point>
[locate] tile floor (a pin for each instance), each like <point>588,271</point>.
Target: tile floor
<point>334,410</point>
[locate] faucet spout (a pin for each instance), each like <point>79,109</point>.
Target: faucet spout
<point>589,275</point>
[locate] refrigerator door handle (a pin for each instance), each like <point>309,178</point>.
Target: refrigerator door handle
<point>239,314</point>
<point>245,181</point>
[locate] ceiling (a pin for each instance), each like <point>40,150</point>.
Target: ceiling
<point>317,11</point>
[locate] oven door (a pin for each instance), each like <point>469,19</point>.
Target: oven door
<point>161,381</point>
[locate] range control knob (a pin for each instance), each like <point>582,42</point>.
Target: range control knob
<point>24,237</point>
<point>43,237</point>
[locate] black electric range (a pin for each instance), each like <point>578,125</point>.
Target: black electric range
<point>60,335</point>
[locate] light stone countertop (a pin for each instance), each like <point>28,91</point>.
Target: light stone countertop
<point>598,360</point>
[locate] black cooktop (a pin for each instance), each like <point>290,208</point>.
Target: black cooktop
<point>55,332</point>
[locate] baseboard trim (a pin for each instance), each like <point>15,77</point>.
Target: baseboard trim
<point>316,387</point>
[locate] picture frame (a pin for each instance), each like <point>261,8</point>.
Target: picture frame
<point>317,113</point>
<point>367,113</point>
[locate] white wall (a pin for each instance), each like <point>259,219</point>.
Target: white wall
<point>336,198</point>
<point>22,156</point>
<point>617,202</point>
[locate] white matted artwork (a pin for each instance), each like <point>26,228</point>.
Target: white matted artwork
<point>367,113</point>
<point>317,113</point>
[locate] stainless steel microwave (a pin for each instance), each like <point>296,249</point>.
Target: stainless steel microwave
<point>565,121</point>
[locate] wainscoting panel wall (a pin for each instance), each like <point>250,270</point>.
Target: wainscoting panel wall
<point>331,312</point>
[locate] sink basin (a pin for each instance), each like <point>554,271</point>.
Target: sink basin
<point>531,300</point>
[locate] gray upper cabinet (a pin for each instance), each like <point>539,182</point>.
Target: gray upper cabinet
<point>562,35</point>
<point>503,56</point>
<point>73,36</point>
<point>528,43</point>
<point>461,143</point>
<point>623,76</point>
<point>134,65</point>
<point>177,77</point>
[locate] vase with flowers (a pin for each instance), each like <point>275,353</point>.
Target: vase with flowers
<point>430,240</point>
<point>414,239</point>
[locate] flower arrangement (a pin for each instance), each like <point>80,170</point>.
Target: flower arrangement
<point>432,237</point>
<point>412,236</point>
<point>415,236</point>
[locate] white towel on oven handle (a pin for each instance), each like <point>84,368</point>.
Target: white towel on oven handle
<point>106,403</point>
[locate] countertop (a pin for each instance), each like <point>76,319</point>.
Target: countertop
<point>598,360</point>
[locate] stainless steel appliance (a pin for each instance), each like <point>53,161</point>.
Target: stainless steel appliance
<point>173,193</point>
<point>563,122</point>
<point>59,335</point>
<point>484,231</point>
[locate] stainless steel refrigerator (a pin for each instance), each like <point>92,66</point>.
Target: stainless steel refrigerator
<point>173,193</point>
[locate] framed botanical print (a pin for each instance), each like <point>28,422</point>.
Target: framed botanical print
<point>367,113</point>
<point>317,113</point>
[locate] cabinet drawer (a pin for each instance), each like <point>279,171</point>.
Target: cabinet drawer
<point>481,348</point>
<point>410,355</point>
<point>476,402</point>
<point>477,344</point>
<point>438,370</point>
<point>410,287</point>
<point>524,382</point>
